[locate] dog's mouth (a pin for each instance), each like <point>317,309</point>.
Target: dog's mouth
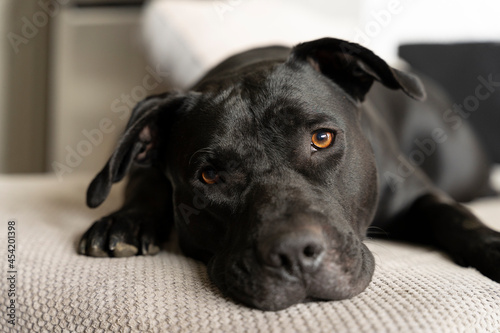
<point>339,273</point>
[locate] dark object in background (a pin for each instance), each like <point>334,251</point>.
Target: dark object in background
<point>461,69</point>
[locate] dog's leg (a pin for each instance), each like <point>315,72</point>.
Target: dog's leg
<point>437,220</point>
<point>140,225</point>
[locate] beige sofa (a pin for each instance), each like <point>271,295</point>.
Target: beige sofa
<point>415,289</point>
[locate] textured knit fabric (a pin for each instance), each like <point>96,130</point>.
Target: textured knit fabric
<point>414,289</point>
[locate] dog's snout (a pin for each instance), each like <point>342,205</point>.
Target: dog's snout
<point>296,252</point>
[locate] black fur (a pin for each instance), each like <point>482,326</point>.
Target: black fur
<point>284,220</point>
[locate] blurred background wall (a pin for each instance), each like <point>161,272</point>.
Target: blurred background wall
<point>4,8</point>
<point>23,88</point>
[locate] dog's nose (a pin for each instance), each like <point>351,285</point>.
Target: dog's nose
<point>296,251</point>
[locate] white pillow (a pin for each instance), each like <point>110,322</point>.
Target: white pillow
<point>188,37</point>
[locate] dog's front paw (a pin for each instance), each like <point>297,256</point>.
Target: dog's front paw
<point>123,234</point>
<point>490,263</point>
<point>484,255</point>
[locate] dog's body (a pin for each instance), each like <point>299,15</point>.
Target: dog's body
<point>275,164</point>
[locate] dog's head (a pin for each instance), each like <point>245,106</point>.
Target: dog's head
<point>274,183</point>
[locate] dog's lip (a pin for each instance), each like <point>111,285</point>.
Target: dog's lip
<point>284,294</point>
<point>268,289</point>
<point>278,301</point>
<point>226,283</point>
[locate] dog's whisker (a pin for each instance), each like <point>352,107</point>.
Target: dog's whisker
<point>376,231</point>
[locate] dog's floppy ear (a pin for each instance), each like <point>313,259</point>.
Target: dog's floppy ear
<point>354,67</point>
<point>137,143</point>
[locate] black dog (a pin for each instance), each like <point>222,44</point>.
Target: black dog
<point>276,163</point>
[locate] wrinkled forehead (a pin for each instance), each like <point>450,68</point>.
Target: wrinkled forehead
<point>283,92</point>
<point>257,109</point>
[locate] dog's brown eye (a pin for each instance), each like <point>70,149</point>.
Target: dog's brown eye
<point>322,139</point>
<point>210,176</point>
